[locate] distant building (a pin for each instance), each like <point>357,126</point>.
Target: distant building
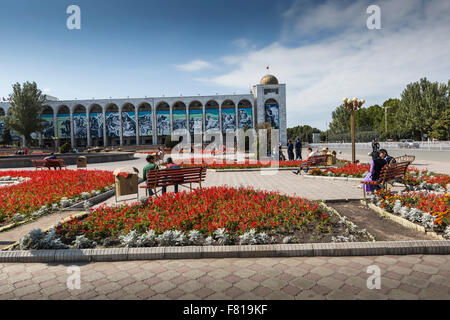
<point>131,121</point>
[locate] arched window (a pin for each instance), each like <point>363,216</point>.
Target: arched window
<point>228,116</point>
<point>128,120</point>
<point>245,114</point>
<point>212,123</point>
<point>272,116</point>
<point>63,121</point>
<point>163,119</point>
<point>145,119</point>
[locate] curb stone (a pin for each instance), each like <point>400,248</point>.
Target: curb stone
<point>237,251</point>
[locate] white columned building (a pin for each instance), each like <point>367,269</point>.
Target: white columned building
<point>265,103</point>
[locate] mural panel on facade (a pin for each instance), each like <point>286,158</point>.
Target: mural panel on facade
<point>63,120</point>
<point>112,124</point>
<point>80,125</point>
<point>272,115</point>
<point>2,126</point>
<point>48,130</point>
<point>212,120</point>
<point>195,121</point>
<point>163,122</point>
<point>228,120</point>
<point>96,125</point>
<point>145,123</point>
<point>179,119</point>
<point>245,118</point>
<point>129,124</point>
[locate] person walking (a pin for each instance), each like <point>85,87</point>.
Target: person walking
<point>290,150</point>
<point>298,150</point>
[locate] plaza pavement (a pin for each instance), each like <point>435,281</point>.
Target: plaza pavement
<point>402,277</point>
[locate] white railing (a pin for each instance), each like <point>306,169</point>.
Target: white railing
<point>423,145</point>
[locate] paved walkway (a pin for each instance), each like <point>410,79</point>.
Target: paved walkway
<point>402,277</point>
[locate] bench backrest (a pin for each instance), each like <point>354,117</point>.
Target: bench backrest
<point>156,178</point>
<point>54,162</point>
<point>38,163</point>
<point>317,159</point>
<point>393,171</point>
<point>405,158</point>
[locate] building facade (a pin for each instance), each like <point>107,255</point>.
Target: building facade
<point>143,121</point>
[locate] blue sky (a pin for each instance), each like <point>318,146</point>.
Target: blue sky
<point>322,50</point>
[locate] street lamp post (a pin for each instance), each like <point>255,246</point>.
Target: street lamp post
<point>353,105</point>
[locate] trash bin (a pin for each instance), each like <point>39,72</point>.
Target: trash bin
<point>81,162</point>
<point>331,160</point>
<point>126,182</point>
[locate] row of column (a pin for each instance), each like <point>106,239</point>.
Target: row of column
<point>154,124</point>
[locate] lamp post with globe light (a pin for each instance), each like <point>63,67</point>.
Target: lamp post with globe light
<point>353,105</point>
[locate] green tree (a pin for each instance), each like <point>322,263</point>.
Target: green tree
<point>393,122</point>
<point>304,133</point>
<point>26,109</point>
<point>422,103</point>
<point>441,127</point>
<point>340,120</point>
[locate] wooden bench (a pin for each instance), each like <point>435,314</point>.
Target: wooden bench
<point>389,173</point>
<point>51,163</point>
<point>316,161</point>
<point>174,176</point>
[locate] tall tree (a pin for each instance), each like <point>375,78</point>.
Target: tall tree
<point>26,109</point>
<point>340,120</point>
<point>422,103</point>
<point>441,127</point>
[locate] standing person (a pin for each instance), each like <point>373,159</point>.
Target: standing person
<point>298,149</point>
<point>149,166</point>
<point>375,169</point>
<point>290,150</point>
<point>375,145</point>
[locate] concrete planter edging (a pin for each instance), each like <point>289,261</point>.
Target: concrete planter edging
<point>406,223</point>
<point>235,251</point>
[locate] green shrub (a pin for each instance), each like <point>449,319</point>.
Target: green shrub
<point>65,148</point>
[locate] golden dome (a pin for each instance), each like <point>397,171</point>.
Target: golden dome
<point>268,79</point>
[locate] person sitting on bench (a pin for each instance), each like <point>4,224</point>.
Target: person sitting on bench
<point>311,153</point>
<point>150,166</point>
<point>374,174</point>
<point>50,157</point>
<point>170,165</point>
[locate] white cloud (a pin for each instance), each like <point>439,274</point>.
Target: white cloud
<point>371,64</point>
<point>195,65</point>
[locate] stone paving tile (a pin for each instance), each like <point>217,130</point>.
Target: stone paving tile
<point>402,277</point>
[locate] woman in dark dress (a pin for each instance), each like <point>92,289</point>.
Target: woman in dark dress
<point>375,170</point>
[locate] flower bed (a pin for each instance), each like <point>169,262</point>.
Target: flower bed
<point>209,216</point>
<point>426,179</point>
<point>214,163</point>
<point>45,190</point>
<point>429,209</point>
<point>347,170</point>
